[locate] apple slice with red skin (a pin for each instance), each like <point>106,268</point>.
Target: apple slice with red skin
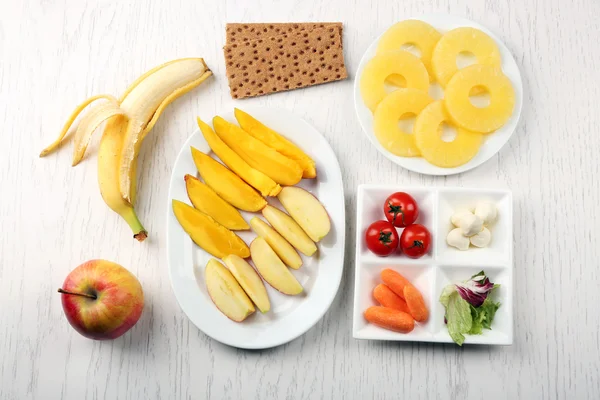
<point>272,269</point>
<point>307,211</point>
<point>290,230</point>
<point>101,299</point>
<point>282,247</point>
<point>249,280</point>
<point>225,291</point>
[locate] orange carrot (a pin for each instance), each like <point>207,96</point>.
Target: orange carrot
<point>389,318</point>
<point>416,304</point>
<point>395,281</point>
<point>387,298</point>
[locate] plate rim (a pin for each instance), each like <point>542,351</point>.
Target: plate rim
<point>436,171</point>
<point>331,294</point>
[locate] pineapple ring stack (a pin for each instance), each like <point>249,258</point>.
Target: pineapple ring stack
<point>438,60</point>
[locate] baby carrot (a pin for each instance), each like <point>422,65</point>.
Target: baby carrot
<point>389,318</point>
<point>394,281</point>
<point>387,298</point>
<point>416,304</point>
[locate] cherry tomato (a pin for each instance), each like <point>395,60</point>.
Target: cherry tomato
<point>415,241</point>
<point>401,209</point>
<point>382,238</point>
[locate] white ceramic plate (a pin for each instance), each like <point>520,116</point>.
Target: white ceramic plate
<point>290,316</point>
<point>442,266</point>
<point>493,142</point>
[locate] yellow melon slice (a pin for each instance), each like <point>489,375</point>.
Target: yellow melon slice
<point>381,66</point>
<point>428,138</point>
<point>389,112</point>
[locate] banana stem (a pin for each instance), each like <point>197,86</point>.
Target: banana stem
<point>139,232</point>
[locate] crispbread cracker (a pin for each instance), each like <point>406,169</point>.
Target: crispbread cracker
<point>285,62</point>
<point>244,32</point>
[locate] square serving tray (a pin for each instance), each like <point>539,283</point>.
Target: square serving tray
<point>441,266</point>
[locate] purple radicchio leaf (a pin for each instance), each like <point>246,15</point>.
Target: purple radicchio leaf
<point>475,290</point>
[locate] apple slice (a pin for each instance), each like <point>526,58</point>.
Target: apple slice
<point>272,269</point>
<point>226,292</point>
<point>249,280</point>
<point>284,250</point>
<point>290,230</point>
<point>307,211</point>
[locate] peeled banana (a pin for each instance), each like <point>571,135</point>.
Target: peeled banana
<point>129,120</point>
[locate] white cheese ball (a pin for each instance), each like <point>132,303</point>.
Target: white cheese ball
<point>487,211</point>
<point>458,214</point>
<point>470,224</point>
<point>482,239</point>
<point>456,239</point>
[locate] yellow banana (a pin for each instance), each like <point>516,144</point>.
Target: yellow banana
<point>128,122</point>
<point>122,138</point>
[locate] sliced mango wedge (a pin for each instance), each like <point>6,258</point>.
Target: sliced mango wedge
<point>211,236</point>
<point>261,182</point>
<point>226,184</point>
<point>208,201</point>
<point>276,166</point>
<point>275,140</point>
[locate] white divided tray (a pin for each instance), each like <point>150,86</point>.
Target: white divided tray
<point>441,266</point>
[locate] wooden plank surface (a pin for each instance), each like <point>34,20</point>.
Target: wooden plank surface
<point>54,54</point>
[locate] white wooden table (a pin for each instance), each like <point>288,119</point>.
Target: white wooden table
<point>54,54</point>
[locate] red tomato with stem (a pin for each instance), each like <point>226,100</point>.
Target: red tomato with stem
<point>415,241</point>
<point>382,238</point>
<point>401,209</point>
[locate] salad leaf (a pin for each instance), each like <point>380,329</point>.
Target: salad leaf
<point>459,318</point>
<point>446,293</point>
<point>489,308</point>
<point>469,310</point>
<point>476,289</point>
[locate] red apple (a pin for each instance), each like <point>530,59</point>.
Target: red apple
<point>101,299</point>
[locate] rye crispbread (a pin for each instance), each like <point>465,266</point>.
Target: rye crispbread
<point>238,32</point>
<point>284,62</point>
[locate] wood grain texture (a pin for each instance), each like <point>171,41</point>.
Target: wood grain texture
<point>56,53</point>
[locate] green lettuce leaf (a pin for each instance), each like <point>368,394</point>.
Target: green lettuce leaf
<point>445,296</point>
<point>483,316</point>
<point>478,318</point>
<point>458,314</point>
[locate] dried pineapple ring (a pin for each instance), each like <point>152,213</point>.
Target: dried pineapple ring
<point>438,152</point>
<point>386,117</point>
<point>410,32</point>
<point>383,65</point>
<point>465,114</point>
<point>443,60</point>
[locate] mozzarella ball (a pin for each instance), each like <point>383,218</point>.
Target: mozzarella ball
<point>455,218</point>
<point>487,211</point>
<point>482,239</point>
<point>456,239</point>
<point>470,224</point>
